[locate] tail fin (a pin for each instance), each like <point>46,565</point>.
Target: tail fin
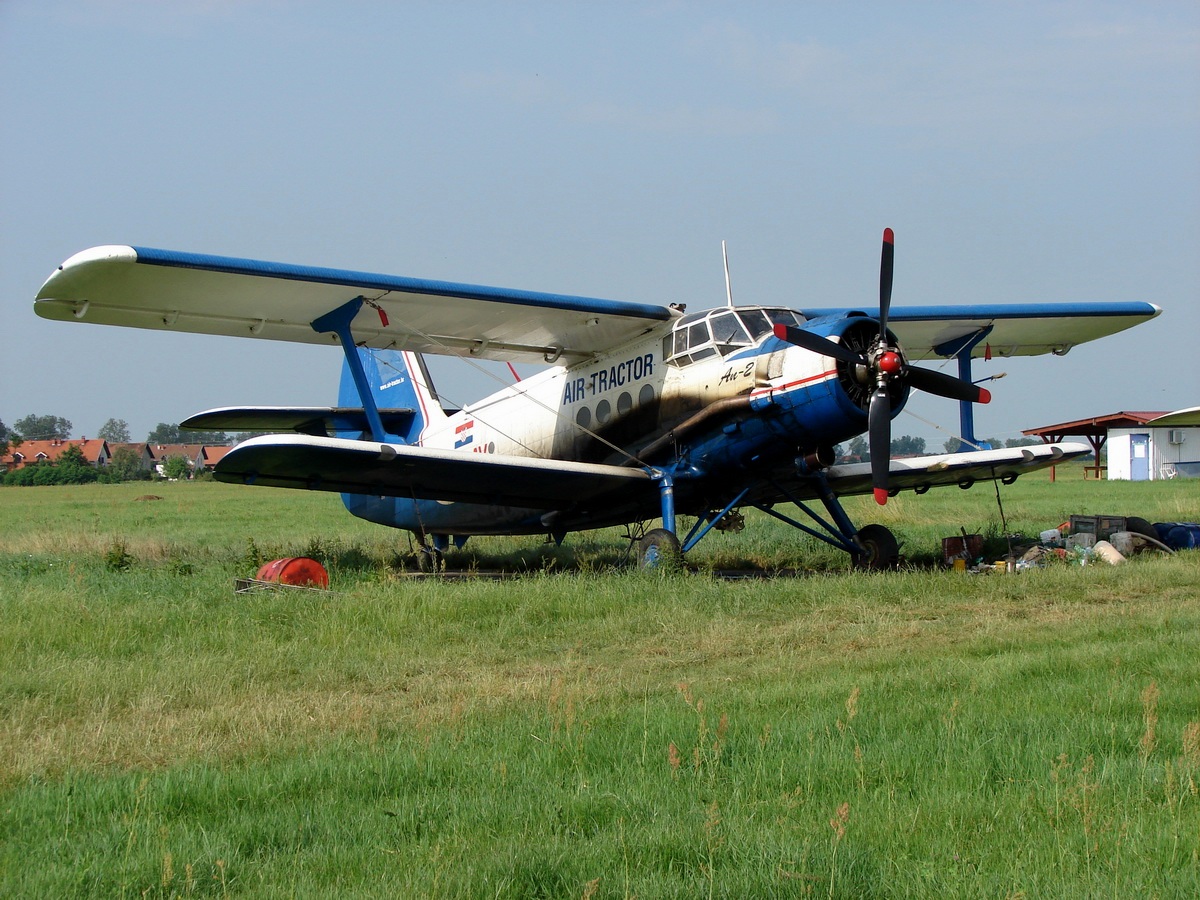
<point>399,380</point>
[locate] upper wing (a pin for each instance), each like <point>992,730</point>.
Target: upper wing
<point>923,472</point>
<point>397,470</point>
<point>1018,329</point>
<point>162,289</point>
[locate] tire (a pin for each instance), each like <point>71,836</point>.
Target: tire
<point>1138,525</point>
<point>879,548</point>
<point>659,550</point>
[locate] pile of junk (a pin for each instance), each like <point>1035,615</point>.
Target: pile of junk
<point>1080,541</point>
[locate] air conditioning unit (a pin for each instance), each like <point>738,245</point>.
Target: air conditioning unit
<point>1175,436</point>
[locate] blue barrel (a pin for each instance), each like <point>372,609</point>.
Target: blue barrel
<point>1179,535</point>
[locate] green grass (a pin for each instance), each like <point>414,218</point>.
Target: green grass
<point>592,731</point>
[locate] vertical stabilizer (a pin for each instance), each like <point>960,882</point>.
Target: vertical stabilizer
<point>398,380</point>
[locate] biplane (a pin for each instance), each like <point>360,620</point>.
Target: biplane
<point>639,414</point>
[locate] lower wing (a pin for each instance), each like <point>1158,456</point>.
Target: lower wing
<point>920,473</point>
<point>397,470</point>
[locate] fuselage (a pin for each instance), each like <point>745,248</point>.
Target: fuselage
<point>715,399</point>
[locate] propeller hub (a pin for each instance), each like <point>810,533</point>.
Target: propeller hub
<point>890,362</point>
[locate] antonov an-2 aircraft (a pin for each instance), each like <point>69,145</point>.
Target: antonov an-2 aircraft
<point>642,412</point>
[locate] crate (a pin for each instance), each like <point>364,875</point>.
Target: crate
<point>1103,527</point>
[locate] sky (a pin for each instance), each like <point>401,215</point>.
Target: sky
<point>1041,151</point>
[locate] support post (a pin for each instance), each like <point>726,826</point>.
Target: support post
<point>666,491</point>
<point>704,527</point>
<point>960,349</point>
<point>338,321</point>
<point>966,414</point>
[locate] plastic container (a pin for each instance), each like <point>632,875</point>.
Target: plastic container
<point>297,571</point>
<point>1107,552</point>
<point>1050,536</point>
<point>1124,541</point>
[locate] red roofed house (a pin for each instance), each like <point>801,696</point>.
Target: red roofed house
<point>163,452</point>
<point>141,451</point>
<point>210,456</point>
<point>94,450</point>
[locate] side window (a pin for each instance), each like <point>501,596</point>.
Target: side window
<point>689,341</point>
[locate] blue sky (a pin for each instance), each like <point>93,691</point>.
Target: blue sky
<point>1021,151</point>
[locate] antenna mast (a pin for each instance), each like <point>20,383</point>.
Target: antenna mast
<point>728,289</point>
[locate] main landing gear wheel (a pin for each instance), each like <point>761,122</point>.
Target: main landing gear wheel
<point>879,546</point>
<point>659,550</point>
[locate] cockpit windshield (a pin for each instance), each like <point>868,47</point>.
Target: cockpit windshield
<point>719,332</point>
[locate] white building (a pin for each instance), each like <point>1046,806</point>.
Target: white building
<point>1164,447</point>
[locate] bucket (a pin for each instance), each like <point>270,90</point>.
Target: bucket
<point>296,571</point>
<point>968,546</point>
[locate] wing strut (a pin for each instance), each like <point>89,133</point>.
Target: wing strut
<point>961,349</point>
<point>338,321</point>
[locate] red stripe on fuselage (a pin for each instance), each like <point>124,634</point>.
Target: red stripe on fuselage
<point>793,384</point>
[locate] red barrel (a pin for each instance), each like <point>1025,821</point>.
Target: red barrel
<point>295,570</point>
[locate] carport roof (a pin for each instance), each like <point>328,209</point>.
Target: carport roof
<point>1097,426</point>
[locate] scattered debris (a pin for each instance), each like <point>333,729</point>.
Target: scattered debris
<point>1079,541</point>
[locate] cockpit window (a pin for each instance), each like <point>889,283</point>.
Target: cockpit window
<point>784,317</point>
<point>729,332</point>
<point>702,335</point>
<point>757,322</point>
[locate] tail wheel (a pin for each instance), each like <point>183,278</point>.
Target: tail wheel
<point>659,550</point>
<point>431,560</point>
<point>880,549</point>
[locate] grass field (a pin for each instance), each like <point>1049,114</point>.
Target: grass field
<point>583,730</point>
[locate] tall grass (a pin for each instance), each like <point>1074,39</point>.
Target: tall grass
<point>598,733</point>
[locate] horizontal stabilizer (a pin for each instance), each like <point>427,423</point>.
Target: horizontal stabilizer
<point>324,421</point>
<point>396,470</point>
